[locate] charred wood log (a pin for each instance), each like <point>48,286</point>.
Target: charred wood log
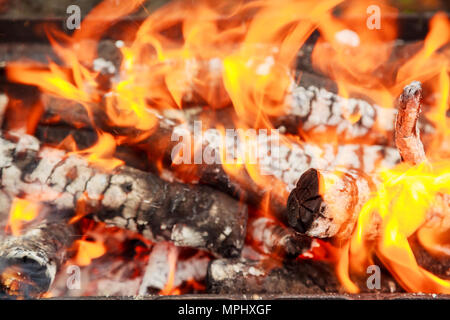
<point>283,168</point>
<point>333,213</point>
<point>188,215</point>
<point>238,276</point>
<point>327,204</point>
<point>29,262</point>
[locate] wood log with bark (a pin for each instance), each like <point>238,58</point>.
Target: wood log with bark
<point>188,215</point>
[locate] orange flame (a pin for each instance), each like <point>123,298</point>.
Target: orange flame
<point>169,288</point>
<point>404,202</point>
<point>101,154</point>
<point>243,53</point>
<point>87,251</point>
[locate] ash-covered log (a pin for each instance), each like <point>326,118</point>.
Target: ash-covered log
<point>239,276</point>
<point>320,114</point>
<point>189,215</point>
<point>29,262</point>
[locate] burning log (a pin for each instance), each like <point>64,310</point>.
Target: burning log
<point>272,238</point>
<point>284,167</point>
<point>327,204</point>
<point>238,276</point>
<point>29,262</point>
<point>188,215</point>
<point>312,111</point>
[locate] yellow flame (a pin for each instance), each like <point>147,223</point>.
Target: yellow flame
<point>405,203</point>
<point>21,211</point>
<point>87,251</point>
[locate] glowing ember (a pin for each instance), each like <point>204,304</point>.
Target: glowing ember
<point>21,212</point>
<point>87,251</point>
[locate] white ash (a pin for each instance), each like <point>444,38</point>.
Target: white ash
<point>347,37</point>
<point>222,270</point>
<point>104,66</point>
<point>323,109</point>
<point>122,288</point>
<point>185,236</point>
<point>119,44</point>
<point>287,161</point>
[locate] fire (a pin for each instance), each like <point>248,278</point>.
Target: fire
<point>429,61</point>
<point>438,116</point>
<point>242,53</point>
<point>101,154</point>
<point>22,211</point>
<point>405,202</point>
<point>169,288</point>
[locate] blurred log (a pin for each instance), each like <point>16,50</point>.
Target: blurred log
<point>3,103</point>
<point>29,262</point>
<point>238,276</point>
<point>188,215</point>
<point>271,238</point>
<point>165,260</point>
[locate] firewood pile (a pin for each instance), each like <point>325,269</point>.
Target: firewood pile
<point>94,202</point>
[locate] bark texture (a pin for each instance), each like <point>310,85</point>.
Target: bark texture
<point>188,215</point>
